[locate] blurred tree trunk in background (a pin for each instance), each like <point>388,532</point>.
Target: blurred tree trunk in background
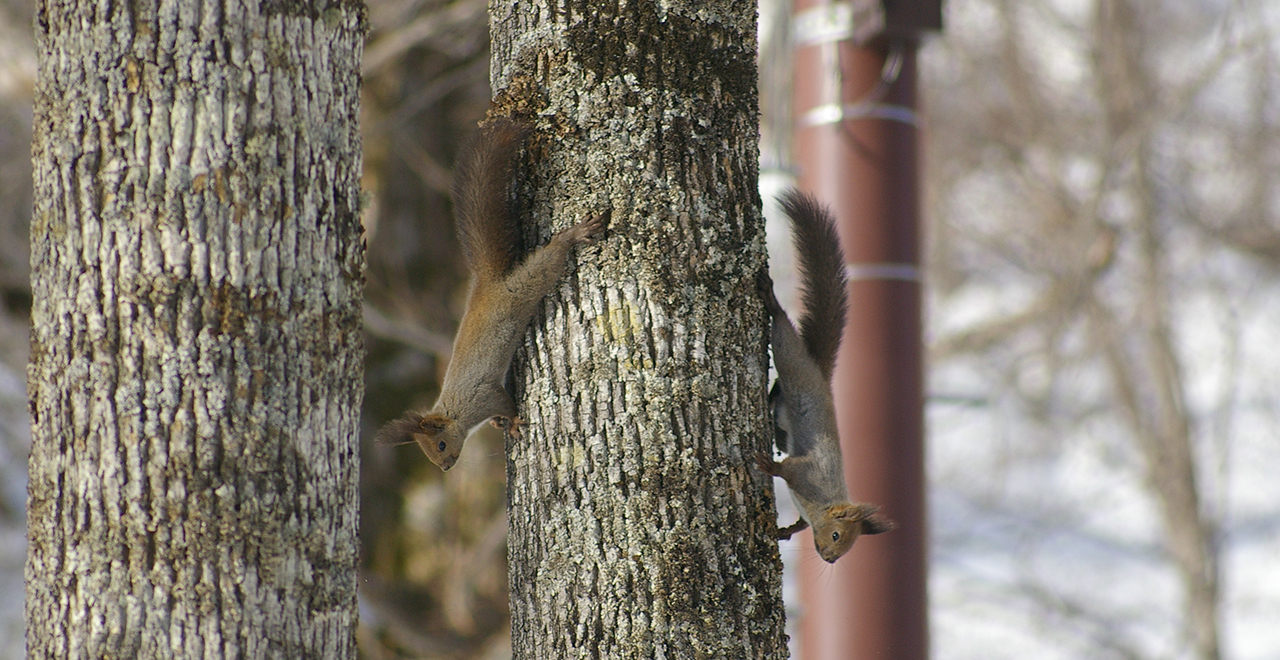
<point>1088,172</point>
<point>1146,370</point>
<point>196,374</point>
<point>637,526</point>
<point>433,577</point>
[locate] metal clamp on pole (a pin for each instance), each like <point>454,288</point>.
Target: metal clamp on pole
<point>832,113</point>
<point>839,21</point>
<point>856,23</point>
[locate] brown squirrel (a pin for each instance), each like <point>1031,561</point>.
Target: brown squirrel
<point>803,410</point>
<point>504,297</point>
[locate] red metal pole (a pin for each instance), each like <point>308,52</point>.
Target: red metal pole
<point>858,153</point>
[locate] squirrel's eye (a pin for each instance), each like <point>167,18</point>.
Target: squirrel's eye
<point>835,536</point>
<point>441,446</point>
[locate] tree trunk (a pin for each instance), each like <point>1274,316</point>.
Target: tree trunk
<point>637,527</point>
<point>1150,380</point>
<point>196,356</point>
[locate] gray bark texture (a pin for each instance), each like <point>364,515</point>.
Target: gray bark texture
<point>196,358</point>
<point>638,528</point>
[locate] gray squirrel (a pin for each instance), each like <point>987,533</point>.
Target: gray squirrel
<point>803,411</point>
<point>505,294</point>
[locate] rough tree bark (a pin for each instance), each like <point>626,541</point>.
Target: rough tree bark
<point>196,374</point>
<point>637,528</point>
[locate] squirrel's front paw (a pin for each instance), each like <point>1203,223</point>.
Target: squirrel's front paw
<point>764,284</point>
<point>509,425</point>
<point>785,533</point>
<point>766,464</point>
<point>587,230</point>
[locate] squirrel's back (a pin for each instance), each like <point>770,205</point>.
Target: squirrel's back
<point>822,274</point>
<point>487,229</point>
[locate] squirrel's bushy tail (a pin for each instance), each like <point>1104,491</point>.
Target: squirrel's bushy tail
<point>482,207</point>
<point>822,274</point>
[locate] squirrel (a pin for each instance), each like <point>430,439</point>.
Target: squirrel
<point>503,299</point>
<point>803,410</point>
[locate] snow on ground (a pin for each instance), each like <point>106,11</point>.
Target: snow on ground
<point>1050,547</point>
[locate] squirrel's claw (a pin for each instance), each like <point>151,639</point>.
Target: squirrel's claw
<point>785,533</point>
<point>588,230</point>
<point>766,464</point>
<point>509,425</point>
<point>764,285</point>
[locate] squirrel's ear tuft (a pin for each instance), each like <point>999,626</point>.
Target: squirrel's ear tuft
<point>400,431</point>
<point>878,525</point>
<point>432,424</point>
<point>872,523</point>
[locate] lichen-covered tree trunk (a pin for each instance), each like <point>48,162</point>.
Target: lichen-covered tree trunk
<point>637,527</point>
<point>195,375</point>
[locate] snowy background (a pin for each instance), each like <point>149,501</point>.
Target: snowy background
<point>1101,167</point>
<point>1047,537</point>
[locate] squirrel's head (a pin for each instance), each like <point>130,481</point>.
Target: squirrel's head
<point>842,524</point>
<point>436,434</point>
